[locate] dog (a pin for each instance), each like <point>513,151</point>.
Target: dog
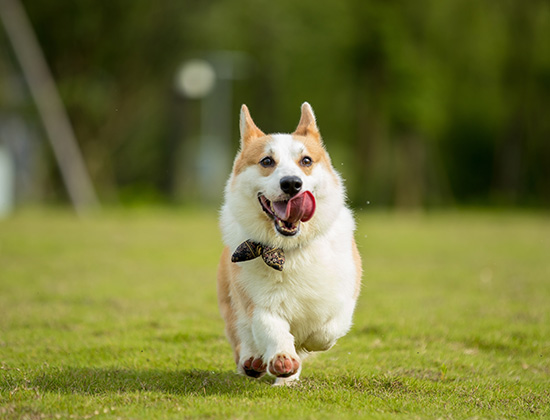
<point>290,273</point>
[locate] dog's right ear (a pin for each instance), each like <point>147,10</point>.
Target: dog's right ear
<point>249,131</point>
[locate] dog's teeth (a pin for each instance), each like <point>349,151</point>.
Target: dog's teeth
<point>284,228</point>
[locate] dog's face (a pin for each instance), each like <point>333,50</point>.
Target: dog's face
<point>283,190</point>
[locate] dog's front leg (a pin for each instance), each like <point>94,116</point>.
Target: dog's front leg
<point>272,335</point>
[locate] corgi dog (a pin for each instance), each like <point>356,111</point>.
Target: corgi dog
<point>290,272</point>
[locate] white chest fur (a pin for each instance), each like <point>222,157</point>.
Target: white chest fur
<point>317,282</point>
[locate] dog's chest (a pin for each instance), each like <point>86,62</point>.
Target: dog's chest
<point>310,290</point>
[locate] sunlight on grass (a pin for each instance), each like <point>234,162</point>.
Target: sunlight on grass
<point>117,316</point>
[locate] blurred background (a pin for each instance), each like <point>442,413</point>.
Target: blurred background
<point>421,104</point>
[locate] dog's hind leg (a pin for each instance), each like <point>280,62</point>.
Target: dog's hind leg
<point>325,337</point>
<point>225,303</point>
<point>236,311</point>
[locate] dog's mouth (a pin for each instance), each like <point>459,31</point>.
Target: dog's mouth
<point>287,214</point>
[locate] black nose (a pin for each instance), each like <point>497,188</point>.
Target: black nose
<point>291,185</point>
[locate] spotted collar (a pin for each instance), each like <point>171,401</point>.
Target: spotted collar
<point>248,250</point>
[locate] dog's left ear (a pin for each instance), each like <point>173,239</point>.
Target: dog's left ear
<point>307,125</point>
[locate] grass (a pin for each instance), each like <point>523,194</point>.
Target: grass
<point>116,317</point>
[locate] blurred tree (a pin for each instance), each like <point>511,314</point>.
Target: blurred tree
<point>425,102</point>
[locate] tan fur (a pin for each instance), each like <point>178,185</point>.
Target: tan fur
<point>251,155</point>
<point>249,130</point>
<point>358,267</point>
<point>230,296</point>
<point>307,125</point>
<point>226,272</point>
<point>316,151</point>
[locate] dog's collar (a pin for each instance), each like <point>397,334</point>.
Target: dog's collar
<point>248,250</point>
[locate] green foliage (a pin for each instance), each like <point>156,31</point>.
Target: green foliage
<point>426,102</point>
<point>116,317</point>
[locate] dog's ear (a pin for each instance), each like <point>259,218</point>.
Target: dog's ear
<point>307,125</point>
<point>249,131</point>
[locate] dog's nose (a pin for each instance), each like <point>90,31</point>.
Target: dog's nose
<point>291,185</point>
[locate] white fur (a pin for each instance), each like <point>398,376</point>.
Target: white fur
<point>309,305</point>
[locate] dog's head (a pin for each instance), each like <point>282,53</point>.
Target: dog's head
<point>283,190</point>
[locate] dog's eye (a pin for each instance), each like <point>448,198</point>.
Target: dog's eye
<point>267,162</point>
<point>306,161</point>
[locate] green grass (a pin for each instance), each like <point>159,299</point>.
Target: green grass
<point>116,317</point>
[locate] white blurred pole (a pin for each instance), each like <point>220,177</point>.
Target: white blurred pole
<point>211,81</point>
<point>50,107</point>
<point>214,150</point>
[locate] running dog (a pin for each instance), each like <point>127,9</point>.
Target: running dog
<point>290,272</point>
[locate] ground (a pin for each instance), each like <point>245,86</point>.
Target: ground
<point>115,316</point>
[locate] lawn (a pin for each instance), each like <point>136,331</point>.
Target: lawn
<point>116,317</point>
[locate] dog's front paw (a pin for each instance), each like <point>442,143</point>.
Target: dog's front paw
<point>254,367</point>
<point>283,365</point>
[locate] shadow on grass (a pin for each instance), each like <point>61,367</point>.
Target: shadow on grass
<point>94,381</point>
<point>100,381</point>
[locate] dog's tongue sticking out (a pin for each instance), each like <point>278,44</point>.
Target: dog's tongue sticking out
<point>299,208</point>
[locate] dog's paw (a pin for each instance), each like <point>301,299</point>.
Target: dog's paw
<point>282,365</point>
<point>254,367</point>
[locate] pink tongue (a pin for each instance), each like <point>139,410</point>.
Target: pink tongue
<point>299,208</point>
